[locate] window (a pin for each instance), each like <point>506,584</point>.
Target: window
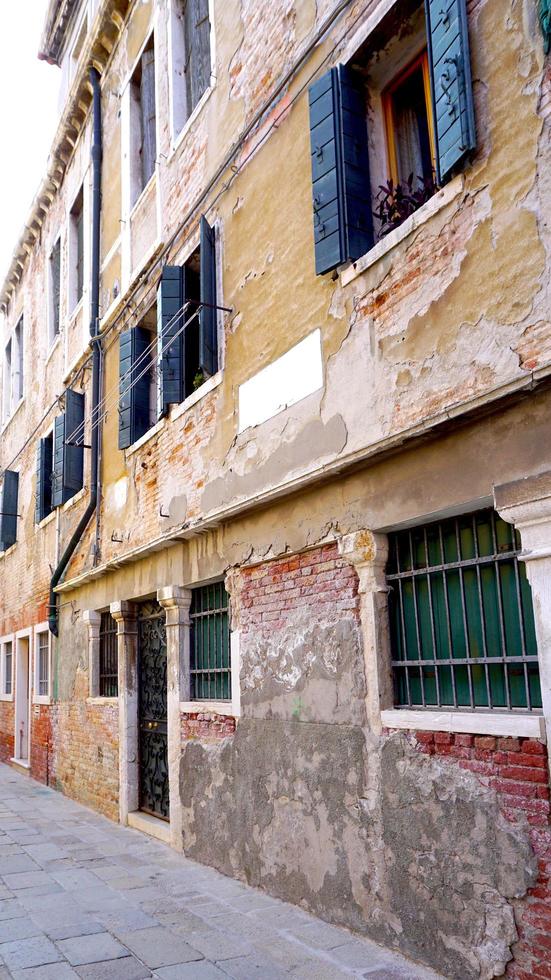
<point>388,128</point>
<point>6,668</point>
<point>8,509</point>
<point>191,57</point>
<point>108,657</point>
<point>55,290</point>
<point>13,372</point>
<point>76,251</point>
<point>461,620</point>
<point>42,664</point>
<point>44,468</point>
<point>138,380</point>
<point>67,450</point>
<point>210,670</point>
<point>143,122</point>
<point>78,46</point>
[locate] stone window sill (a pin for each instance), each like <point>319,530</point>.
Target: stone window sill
<point>74,500</point>
<point>101,701</point>
<point>466,722</point>
<point>6,697</point>
<point>209,708</point>
<point>13,414</point>
<point>440,200</point>
<point>175,412</point>
<point>47,520</point>
<point>53,346</point>
<point>42,699</point>
<point>149,188</point>
<point>179,137</point>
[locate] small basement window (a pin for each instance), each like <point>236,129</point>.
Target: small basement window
<point>461,619</point>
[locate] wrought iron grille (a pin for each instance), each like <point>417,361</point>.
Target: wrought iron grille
<point>461,619</point>
<point>210,644</point>
<point>8,667</point>
<point>108,657</point>
<point>43,664</point>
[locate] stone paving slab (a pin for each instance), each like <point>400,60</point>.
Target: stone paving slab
<point>81,897</point>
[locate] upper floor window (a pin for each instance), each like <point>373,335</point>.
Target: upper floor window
<point>78,46</point>
<point>143,124</point>
<point>138,379</point>
<point>13,374</point>
<point>76,251</point>
<point>461,619</point>
<point>191,57</point>
<point>54,268</point>
<point>390,127</point>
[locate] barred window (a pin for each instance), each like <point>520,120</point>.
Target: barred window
<point>43,665</point>
<point>461,618</point>
<point>8,665</point>
<point>210,644</point>
<point>108,657</point>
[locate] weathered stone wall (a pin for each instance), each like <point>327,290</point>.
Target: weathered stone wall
<point>365,831</point>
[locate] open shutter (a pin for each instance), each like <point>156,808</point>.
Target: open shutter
<point>8,515</point>
<point>451,85</point>
<point>58,454</point>
<point>170,320</point>
<point>343,223</point>
<point>208,334</point>
<point>73,469</point>
<point>44,463</point>
<point>134,385</point>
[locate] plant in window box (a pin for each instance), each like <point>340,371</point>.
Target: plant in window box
<point>395,202</point>
<point>198,380</point>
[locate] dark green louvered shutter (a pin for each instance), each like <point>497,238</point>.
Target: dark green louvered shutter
<point>343,223</point>
<point>451,86</point>
<point>208,334</point>
<point>134,385</point>
<point>170,320</point>
<point>44,463</point>
<point>73,470</point>
<point>8,515</point>
<point>68,452</point>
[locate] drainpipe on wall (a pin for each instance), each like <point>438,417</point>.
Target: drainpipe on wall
<point>96,155</point>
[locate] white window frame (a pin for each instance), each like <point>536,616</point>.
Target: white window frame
<point>132,167</point>
<point>179,121</point>
<point>11,376</point>
<point>39,630</point>
<point>232,707</point>
<point>4,640</point>
<point>75,303</point>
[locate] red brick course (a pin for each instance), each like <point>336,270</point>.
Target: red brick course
<point>7,723</point>
<point>314,579</point>
<point>517,768</point>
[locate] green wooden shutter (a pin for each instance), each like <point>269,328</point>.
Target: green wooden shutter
<point>8,516</point>
<point>58,453</point>
<point>134,385</point>
<point>44,463</point>
<point>208,333</point>
<point>170,320</point>
<point>73,455</point>
<point>343,222</point>
<point>451,85</point>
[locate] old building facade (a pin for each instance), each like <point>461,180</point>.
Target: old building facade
<point>276,455</point>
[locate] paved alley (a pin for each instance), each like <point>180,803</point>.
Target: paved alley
<point>83,897</point>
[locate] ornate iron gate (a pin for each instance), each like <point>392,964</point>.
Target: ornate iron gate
<point>152,709</point>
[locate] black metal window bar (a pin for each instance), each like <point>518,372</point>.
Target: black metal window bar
<point>461,619</point>
<point>210,673</point>
<point>108,657</point>
<point>8,667</point>
<point>43,664</point>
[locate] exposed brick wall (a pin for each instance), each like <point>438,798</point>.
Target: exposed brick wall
<point>7,722</point>
<point>208,726</point>
<point>41,755</point>
<point>517,768</point>
<point>315,579</point>
<point>86,747</point>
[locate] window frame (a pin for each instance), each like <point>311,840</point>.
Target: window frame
<point>54,334</point>
<point>137,190</point>
<point>176,55</point>
<point>8,639</point>
<point>40,630</point>
<point>420,60</point>
<point>102,633</point>
<point>74,300</point>
<point>230,707</point>
<point>13,369</point>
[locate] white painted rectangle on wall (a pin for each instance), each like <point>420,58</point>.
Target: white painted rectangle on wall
<point>282,383</point>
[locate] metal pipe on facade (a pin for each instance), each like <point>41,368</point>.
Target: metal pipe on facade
<point>96,156</point>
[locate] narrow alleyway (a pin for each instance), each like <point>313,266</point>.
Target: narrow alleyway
<point>83,897</point>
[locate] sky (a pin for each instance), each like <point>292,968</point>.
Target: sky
<point>28,117</point>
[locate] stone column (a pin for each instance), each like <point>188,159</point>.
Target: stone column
<point>93,620</point>
<point>124,613</point>
<point>176,602</point>
<point>527,504</point>
<point>368,552</point>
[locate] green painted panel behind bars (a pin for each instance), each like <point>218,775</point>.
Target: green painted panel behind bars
<point>210,672</point>
<point>461,617</point>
